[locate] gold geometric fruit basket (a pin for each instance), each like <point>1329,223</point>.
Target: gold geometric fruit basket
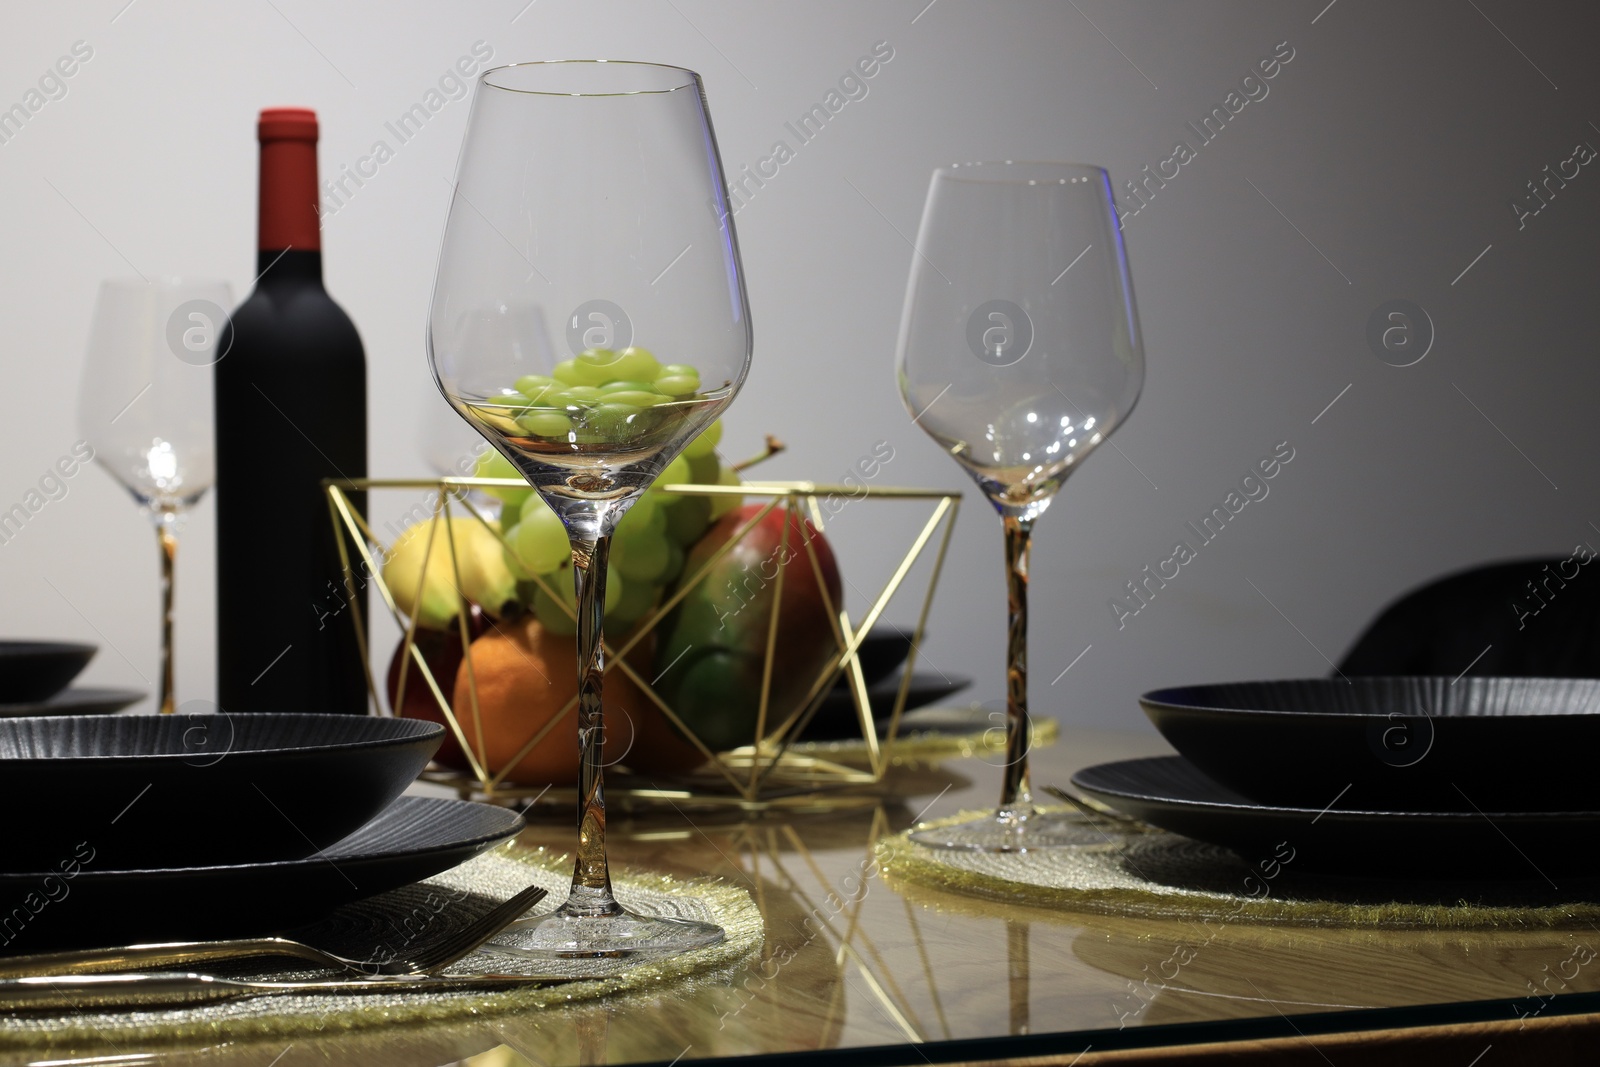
<point>770,773</point>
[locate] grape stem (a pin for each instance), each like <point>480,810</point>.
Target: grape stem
<point>774,446</point>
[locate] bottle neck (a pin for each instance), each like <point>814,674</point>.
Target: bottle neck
<point>291,267</point>
<point>288,194</point>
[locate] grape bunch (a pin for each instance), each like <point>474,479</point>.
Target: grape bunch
<point>600,395</point>
<point>647,549</point>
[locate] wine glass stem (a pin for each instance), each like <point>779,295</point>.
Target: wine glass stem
<point>1015,797</point>
<point>591,877</point>
<point>166,531</point>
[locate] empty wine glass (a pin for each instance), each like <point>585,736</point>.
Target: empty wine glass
<point>589,320</point>
<point>1019,353</point>
<point>144,404</point>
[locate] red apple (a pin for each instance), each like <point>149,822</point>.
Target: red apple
<point>712,647</point>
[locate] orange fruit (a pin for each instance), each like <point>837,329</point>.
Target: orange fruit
<point>525,675</point>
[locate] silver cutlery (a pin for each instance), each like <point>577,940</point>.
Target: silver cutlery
<point>426,959</point>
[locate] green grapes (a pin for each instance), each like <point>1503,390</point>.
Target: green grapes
<point>535,387</point>
<point>553,617</point>
<point>674,473</point>
<point>688,518</point>
<point>493,465</point>
<point>722,503</point>
<point>634,604</point>
<point>678,379</point>
<point>706,443</point>
<point>545,423</point>
<point>539,541</point>
<point>642,559</point>
<point>601,395</point>
<point>635,363</point>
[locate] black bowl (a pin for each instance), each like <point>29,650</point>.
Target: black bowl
<point>1397,744</point>
<point>31,671</point>
<point>158,791</point>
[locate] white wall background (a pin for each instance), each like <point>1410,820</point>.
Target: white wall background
<point>1394,141</point>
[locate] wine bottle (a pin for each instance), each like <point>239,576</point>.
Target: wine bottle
<point>291,410</point>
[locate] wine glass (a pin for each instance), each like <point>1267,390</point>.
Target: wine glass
<point>589,320</point>
<point>144,405</point>
<point>1019,353</point>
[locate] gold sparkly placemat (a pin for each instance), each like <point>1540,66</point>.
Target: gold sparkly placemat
<point>495,875</point>
<point>969,732</point>
<point>1163,875</point>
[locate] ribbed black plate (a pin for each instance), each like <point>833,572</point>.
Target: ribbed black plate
<point>81,901</point>
<point>1411,744</point>
<point>79,700</point>
<point>1342,835</point>
<point>195,790</point>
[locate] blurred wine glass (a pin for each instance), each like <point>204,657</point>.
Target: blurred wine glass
<point>145,406</point>
<point>1019,354</point>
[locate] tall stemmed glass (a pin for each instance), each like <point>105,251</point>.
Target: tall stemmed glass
<point>1019,353</point>
<point>144,405</point>
<point>589,320</point>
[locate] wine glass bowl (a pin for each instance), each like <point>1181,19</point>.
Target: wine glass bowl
<point>1020,348</point>
<point>588,319</point>
<point>145,398</point>
<point>1019,354</point>
<point>589,245</point>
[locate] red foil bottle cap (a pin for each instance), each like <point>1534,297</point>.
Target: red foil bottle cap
<point>288,216</point>
<point>287,124</point>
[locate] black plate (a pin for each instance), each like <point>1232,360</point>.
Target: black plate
<point>1339,836</point>
<point>1412,744</point>
<point>836,718</point>
<point>195,790</point>
<point>79,700</point>
<point>31,671</point>
<point>80,901</point>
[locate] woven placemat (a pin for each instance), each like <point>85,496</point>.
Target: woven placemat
<point>420,912</point>
<point>1163,875</point>
<point>951,733</point>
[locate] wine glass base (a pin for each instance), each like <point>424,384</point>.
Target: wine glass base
<point>570,934</point>
<point>1019,831</point>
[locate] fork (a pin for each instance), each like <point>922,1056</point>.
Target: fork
<point>427,960</point>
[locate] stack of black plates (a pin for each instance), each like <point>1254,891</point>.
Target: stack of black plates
<point>140,828</point>
<point>1385,777</point>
